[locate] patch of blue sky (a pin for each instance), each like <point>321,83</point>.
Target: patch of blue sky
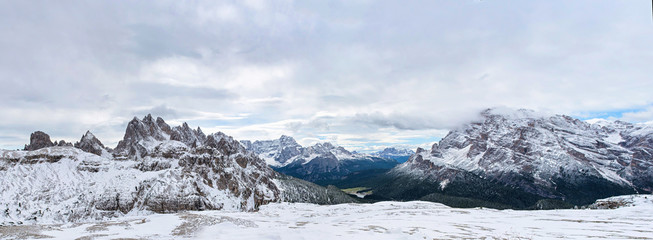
<point>421,140</point>
<point>610,114</point>
<point>411,143</point>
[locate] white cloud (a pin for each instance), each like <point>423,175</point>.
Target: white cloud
<point>365,74</point>
<point>645,115</point>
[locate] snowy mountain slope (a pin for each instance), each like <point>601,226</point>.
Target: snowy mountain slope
<point>299,191</point>
<point>534,156</point>
<point>322,163</point>
<point>155,168</point>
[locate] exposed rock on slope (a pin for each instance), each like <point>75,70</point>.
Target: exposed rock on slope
<point>519,157</point>
<point>38,140</point>
<point>89,143</point>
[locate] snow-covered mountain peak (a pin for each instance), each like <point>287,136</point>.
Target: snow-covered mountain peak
<point>537,152</point>
<point>514,114</point>
<point>143,136</point>
<point>399,154</point>
<point>287,140</point>
<point>394,151</point>
<point>225,144</point>
<point>420,150</point>
<point>322,147</point>
<point>88,136</point>
<point>190,137</point>
<point>90,143</point>
<point>276,152</point>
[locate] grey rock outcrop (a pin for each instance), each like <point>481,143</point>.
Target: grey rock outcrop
<point>138,133</point>
<point>183,133</point>
<point>38,140</point>
<point>62,143</point>
<point>89,143</point>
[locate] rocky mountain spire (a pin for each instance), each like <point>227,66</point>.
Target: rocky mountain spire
<point>190,137</point>
<point>38,140</point>
<point>142,136</point>
<point>139,132</point>
<point>89,143</point>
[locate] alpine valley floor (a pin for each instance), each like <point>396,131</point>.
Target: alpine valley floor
<point>383,220</point>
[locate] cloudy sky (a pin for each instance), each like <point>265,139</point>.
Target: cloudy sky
<point>362,74</point>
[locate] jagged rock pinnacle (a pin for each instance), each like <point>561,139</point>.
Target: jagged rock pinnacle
<point>38,140</point>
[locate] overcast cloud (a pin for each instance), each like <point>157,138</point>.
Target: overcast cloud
<point>363,74</point>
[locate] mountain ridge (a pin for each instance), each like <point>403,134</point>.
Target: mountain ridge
<point>539,156</point>
<point>322,163</point>
<point>155,168</point>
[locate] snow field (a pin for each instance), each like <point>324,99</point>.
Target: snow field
<point>383,220</point>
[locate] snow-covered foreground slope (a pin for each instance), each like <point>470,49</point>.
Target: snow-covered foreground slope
<point>383,220</point>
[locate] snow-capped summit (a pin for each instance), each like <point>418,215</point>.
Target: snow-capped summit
<point>275,152</point>
<point>143,136</point>
<point>190,137</point>
<point>396,153</point>
<point>392,151</point>
<point>89,143</point>
<point>543,156</point>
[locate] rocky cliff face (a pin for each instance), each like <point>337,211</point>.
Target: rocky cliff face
<point>536,156</point>
<point>38,140</point>
<point>89,143</point>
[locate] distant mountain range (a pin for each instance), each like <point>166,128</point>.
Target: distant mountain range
<point>398,154</point>
<point>321,163</point>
